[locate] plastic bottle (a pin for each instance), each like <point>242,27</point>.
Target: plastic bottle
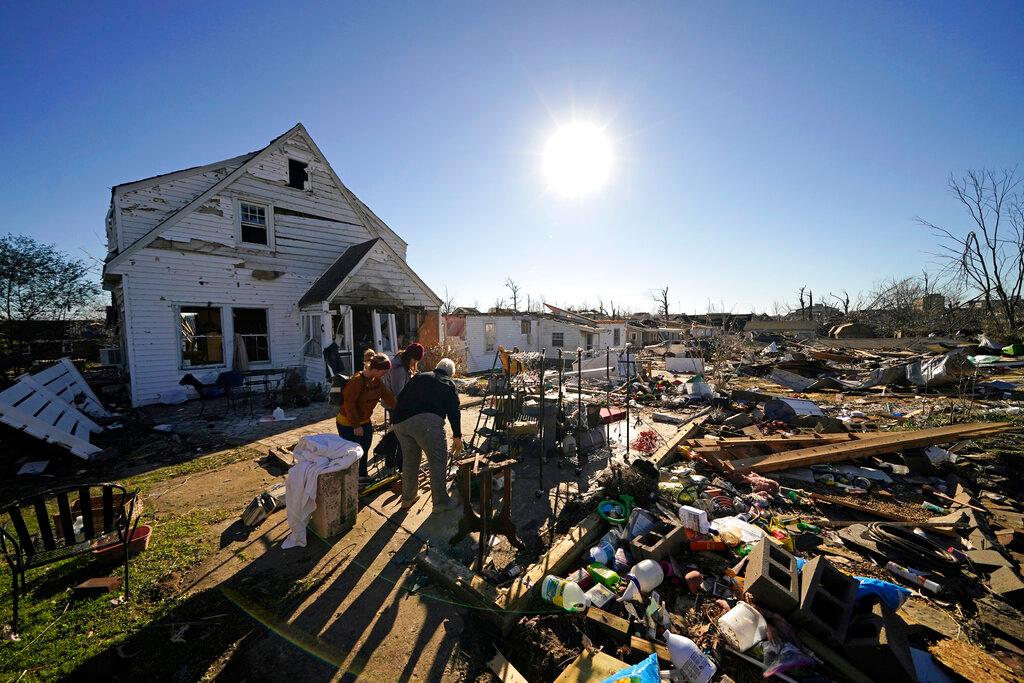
<point>913,577</point>
<point>604,575</point>
<point>694,665</point>
<point>621,560</point>
<point>645,576</point>
<point>563,593</point>
<point>602,553</point>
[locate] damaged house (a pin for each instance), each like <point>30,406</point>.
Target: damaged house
<point>262,261</point>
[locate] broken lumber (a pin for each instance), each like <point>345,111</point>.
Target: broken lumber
<point>608,620</point>
<point>971,662</point>
<point>669,451</point>
<point>504,670</point>
<point>558,559</point>
<point>647,647</point>
<point>459,580</point>
<point>890,443</point>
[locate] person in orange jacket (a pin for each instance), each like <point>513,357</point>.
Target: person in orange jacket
<point>360,396</point>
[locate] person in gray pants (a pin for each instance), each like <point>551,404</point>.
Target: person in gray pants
<point>418,418</point>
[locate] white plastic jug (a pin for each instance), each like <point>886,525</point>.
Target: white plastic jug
<point>645,576</point>
<point>743,627</point>
<point>562,593</point>
<point>688,659</point>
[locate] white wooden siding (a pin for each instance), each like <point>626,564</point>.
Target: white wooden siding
<point>199,262</point>
<point>508,333</point>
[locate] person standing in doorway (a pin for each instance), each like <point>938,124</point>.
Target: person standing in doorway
<point>428,398</point>
<point>360,396</point>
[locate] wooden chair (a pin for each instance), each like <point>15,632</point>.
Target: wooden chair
<point>47,533</point>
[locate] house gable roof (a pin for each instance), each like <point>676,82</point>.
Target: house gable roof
<point>373,224</point>
<point>335,275</point>
<point>334,279</point>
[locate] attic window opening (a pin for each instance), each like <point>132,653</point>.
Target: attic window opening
<point>253,220</point>
<point>297,174</point>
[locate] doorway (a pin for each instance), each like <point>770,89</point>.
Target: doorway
<point>362,332</point>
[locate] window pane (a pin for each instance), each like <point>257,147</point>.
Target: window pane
<point>254,235</point>
<point>202,342</point>
<point>251,213</point>
<point>250,320</point>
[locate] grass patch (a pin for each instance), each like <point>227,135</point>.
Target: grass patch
<point>59,632</point>
<point>144,482</point>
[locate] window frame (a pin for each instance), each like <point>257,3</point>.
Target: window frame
<point>270,349</point>
<point>560,344</point>
<point>526,327</point>
<point>268,209</point>
<point>616,337</point>
<point>311,326</point>
<point>181,339</point>
<point>493,337</point>
<point>307,184</point>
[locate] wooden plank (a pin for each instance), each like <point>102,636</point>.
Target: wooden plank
<point>647,647</point>
<point>504,670</point>
<point>561,555</point>
<point>608,620</point>
<point>805,457</point>
<point>458,579</point>
<point>971,662</point>
<point>669,451</point>
<point>590,667</point>
<point>921,616</point>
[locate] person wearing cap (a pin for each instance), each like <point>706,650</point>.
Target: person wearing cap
<point>360,396</point>
<point>403,367</point>
<point>418,419</point>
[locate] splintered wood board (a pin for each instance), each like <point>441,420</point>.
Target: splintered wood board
<point>891,442</point>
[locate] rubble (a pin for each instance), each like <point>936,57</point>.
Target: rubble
<point>792,485</point>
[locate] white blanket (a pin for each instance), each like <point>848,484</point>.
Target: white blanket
<point>315,455</point>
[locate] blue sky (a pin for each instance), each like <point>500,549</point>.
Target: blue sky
<point>759,146</point>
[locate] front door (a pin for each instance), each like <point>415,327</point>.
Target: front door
<point>385,338</point>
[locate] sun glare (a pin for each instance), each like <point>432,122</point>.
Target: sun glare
<point>577,159</point>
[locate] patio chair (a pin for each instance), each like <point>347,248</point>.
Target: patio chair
<point>41,537</point>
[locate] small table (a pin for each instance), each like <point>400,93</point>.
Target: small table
<point>264,377</point>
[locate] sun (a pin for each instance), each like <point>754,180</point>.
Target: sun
<point>577,159</point>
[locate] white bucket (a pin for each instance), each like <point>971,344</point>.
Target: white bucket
<point>743,627</point>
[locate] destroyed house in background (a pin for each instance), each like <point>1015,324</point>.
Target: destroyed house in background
<point>265,260</point>
<point>482,334</point>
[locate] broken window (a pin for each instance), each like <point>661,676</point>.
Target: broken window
<point>489,337</point>
<point>524,327</point>
<point>253,221</point>
<point>297,174</point>
<point>312,335</point>
<point>202,340</point>
<point>558,339</point>
<point>251,325</point>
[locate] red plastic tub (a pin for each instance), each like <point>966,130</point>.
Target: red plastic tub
<point>113,552</point>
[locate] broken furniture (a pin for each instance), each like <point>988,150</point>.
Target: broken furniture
<point>487,522</point>
<point>55,537</point>
<point>55,405</point>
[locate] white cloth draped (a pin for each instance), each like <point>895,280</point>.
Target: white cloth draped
<point>315,455</point>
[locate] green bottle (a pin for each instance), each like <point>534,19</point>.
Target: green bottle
<point>604,575</point>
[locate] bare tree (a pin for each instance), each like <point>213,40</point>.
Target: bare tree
<point>802,300</point>
<point>513,287</point>
<point>660,297</point>
<point>499,305</point>
<point>843,300</point>
<point>988,256</point>
<point>810,305</point>
<point>448,302</point>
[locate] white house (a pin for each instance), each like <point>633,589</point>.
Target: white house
<point>262,260</point>
<point>483,333</point>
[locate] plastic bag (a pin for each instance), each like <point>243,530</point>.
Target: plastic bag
<point>787,658</point>
<point>891,594</point>
<point>644,672</point>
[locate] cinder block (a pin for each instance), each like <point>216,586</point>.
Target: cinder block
<point>827,597</point>
<point>877,642</point>
<point>658,543</point>
<point>771,577</point>
<point>337,502</point>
